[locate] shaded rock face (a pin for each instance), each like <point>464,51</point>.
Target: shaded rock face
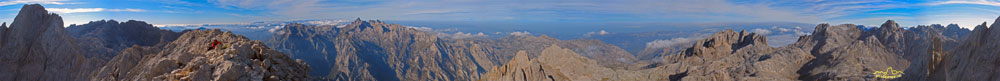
<point>313,44</point>
<point>36,47</point>
<point>3,30</point>
<point>194,57</point>
<point>106,38</point>
<point>975,59</point>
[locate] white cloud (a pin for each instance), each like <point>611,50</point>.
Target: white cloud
<point>761,31</point>
<point>84,10</point>
<point>276,28</point>
<point>326,22</point>
<point>781,29</point>
<point>669,43</point>
<point>521,33</point>
<point>15,2</point>
<point>602,32</point>
<point>257,27</point>
<point>782,39</point>
<point>420,28</point>
<point>74,10</point>
<point>979,2</point>
<point>460,35</point>
<point>127,10</point>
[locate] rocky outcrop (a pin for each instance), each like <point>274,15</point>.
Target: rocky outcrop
<point>203,55</point>
<point>106,38</point>
<point>37,47</point>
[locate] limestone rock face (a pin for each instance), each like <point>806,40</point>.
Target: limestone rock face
<point>204,55</point>
<point>106,38</point>
<point>36,47</point>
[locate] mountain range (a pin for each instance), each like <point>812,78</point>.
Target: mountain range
<point>35,46</point>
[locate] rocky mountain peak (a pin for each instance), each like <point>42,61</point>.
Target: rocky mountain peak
<point>32,16</point>
<point>32,10</point>
<point>723,43</point>
<point>993,27</point>
<point>994,23</point>
<point>952,26</point>
<point>3,31</point>
<point>890,24</point>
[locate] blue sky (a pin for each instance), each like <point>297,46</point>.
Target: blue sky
<point>967,13</point>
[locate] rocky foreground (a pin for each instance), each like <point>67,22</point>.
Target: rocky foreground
<point>196,56</point>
